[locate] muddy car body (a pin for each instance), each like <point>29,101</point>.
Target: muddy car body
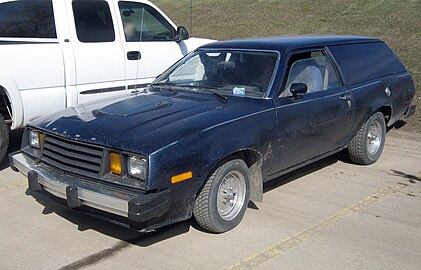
<point>205,136</point>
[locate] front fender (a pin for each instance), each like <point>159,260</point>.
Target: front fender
<point>201,153</point>
<point>13,94</point>
<point>240,148</point>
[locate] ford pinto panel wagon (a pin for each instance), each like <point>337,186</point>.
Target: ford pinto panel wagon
<point>206,134</point>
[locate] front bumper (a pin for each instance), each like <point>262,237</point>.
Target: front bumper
<point>137,207</point>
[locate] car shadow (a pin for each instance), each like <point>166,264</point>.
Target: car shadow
<point>399,124</point>
<point>85,221</point>
<point>309,169</point>
<point>14,145</point>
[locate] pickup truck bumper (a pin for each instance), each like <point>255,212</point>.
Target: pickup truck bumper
<point>137,207</point>
<point>411,110</point>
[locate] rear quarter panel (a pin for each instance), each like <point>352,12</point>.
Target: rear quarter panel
<point>370,70</point>
<point>371,97</point>
<point>368,98</point>
<point>37,70</point>
<point>403,91</point>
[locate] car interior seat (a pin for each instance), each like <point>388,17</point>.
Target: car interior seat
<point>304,71</point>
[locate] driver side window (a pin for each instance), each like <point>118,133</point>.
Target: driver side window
<point>143,23</point>
<point>313,69</point>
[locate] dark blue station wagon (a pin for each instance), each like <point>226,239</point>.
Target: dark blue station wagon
<point>204,137</point>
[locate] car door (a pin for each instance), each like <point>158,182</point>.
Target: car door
<point>149,42</point>
<point>316,122</point>
<point>98,52</point>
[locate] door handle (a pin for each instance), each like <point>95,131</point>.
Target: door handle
<point>345,98</point>
<point>134,55</point>
<point>348,99</point>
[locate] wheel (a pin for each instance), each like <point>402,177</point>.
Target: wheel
<point>221,204</point>
<point>4,138</point>
<point>367,146</point>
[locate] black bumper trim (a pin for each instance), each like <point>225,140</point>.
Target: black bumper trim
<point>33,181</point>
<point>72,197</point>
<point>148,206</point>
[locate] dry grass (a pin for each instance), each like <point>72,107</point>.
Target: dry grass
<point>398,22</point>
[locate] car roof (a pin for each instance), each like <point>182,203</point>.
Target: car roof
<point>288,43</point>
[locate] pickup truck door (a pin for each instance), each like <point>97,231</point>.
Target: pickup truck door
<point>149,41</point>
<point>316,122</point>
<point>98,52</point>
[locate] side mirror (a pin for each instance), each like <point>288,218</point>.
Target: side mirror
<point>298,88</point>
<point>182,34</point>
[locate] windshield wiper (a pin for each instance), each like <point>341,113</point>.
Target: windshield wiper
<point>209,89</point>
<point>172,91</point>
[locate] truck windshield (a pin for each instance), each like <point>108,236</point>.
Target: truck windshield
<point>228,72</point>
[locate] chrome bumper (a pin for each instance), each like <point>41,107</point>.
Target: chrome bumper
<point>58,185</point>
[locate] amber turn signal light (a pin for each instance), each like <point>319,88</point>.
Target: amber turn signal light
<point>181,177</point>
<point>41,139</point>
<point>115,163</point>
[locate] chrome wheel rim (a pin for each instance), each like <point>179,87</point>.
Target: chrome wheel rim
<point>374,138</point>
<point>231,195</point>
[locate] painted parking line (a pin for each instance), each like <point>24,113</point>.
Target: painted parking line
<point>282,247</point>
<point>13,186</point>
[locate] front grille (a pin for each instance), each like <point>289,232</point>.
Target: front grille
<point>72,156</point>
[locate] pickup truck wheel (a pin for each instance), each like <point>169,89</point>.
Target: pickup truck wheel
<point>221,204</point>
<point>4,138</point>
<point>367,146</point>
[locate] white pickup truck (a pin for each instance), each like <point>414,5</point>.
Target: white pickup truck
<point>59,53</point>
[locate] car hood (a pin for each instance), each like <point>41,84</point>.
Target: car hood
<point>145,123</point>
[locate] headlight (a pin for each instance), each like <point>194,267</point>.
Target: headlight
<point>35,139</point>
<point>137,167</point>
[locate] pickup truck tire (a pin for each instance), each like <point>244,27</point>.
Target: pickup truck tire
<point>4,138</point>
<point>367,146</point>
<point>221,204</point>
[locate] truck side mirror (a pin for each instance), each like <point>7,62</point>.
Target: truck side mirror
<point>182,34</point>
<point>298,88</point>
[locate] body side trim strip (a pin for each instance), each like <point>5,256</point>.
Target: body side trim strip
<point>103,90</point>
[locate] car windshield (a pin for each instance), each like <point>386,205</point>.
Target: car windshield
<point>227,72</point>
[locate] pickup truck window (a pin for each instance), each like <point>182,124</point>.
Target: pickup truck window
<point>365,62</point>
<point>313,69</point>
<point>143,23</point>
<point>93,21</point>
<point>27,19</point>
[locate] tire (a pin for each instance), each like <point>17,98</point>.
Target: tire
<point>211,210</point>
<point>367,145</point>
<point>4,138</point>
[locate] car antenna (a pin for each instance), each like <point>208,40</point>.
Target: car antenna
<point>191,16</point>
<point>140,46</point>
